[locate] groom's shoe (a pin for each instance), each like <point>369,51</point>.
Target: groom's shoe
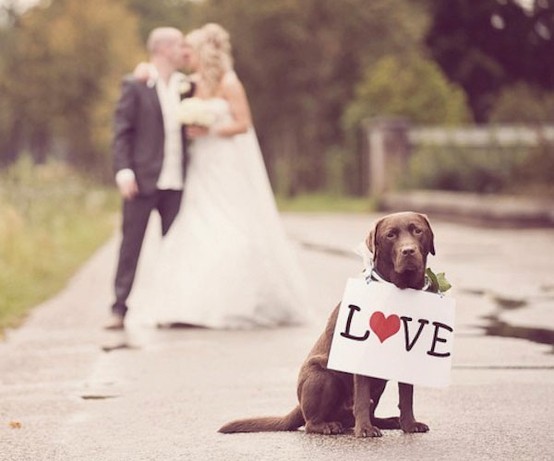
<point>116,322</point>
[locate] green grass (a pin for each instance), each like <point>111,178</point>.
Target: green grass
<point>51,221</point>
<point>324,203</point>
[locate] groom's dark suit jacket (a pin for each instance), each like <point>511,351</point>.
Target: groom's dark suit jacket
<point>139,134</point>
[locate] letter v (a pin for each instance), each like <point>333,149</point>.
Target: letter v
<point>422,323</point>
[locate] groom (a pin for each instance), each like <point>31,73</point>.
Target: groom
<point>149,154</point>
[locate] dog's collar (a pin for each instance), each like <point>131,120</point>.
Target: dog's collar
<point>371,275</point>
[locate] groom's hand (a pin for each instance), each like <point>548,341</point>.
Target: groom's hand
<point>128,189</point>
<point>127,184</point>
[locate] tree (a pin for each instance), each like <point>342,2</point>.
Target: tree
<point>174,13</point>
<point>69,56</point>
<point>487,45</point>
<point>300,61</point>
<point>414,88</point>
<point>10,109</point>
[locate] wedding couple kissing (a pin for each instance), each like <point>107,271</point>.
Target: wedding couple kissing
<point>224,260</point>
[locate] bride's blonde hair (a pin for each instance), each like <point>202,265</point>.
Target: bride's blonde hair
<point>213,45</point>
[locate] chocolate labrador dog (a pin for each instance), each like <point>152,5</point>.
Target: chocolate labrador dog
<point>331,401</point>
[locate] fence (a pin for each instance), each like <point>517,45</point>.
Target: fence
<point>390,143</point>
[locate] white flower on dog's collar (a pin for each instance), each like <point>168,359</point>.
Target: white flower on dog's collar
<point>367,258</point>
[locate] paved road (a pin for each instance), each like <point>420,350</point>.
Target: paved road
<point>68,393</point>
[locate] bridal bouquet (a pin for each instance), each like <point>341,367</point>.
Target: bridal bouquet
<point>196,111</point>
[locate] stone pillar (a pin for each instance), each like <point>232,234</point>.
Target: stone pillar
<point>388,153</point>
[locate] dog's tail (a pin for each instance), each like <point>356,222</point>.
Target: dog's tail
<point>290,422</point>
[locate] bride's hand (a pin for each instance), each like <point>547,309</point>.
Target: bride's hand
<point>143,71</point>
<point>196,131</point>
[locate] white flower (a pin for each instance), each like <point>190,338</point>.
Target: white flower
<point>184,86</point>
<point>196,111</point>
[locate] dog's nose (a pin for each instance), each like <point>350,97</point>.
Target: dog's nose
<point>408,250</point>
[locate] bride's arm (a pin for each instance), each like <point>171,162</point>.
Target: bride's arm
<point>234,93</point>
<point>143,71</point>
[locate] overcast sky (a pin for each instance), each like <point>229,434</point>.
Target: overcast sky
<point>23,4</point>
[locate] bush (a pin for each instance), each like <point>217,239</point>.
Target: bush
<point>536,171</point>
<point>522,103</point>
<point>492,170</point>
<point>415,89</point>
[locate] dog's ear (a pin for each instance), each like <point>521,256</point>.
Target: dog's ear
<point>431,235</point>
<point>371,240</point>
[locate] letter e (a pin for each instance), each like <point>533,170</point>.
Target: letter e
<point>436,339</point>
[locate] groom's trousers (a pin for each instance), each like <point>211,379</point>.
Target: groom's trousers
<point>136,213</point>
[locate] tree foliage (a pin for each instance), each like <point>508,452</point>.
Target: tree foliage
<point>523,103</point>
<point>175,13</point>
<point>68,58</point>
<point>300,61</point>
<point>487,45</point>
<point>304,63</point>
<point>414,88</point>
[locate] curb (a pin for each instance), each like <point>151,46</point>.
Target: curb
<point>477,209</point>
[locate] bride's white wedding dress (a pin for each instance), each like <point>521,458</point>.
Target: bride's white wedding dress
<point>226,262</point>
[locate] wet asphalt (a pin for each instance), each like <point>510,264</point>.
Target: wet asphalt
<point>71,391</point>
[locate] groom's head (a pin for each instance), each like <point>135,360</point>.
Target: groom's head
<point>165,45</point>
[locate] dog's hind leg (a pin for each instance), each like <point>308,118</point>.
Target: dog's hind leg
<point>321,399</point>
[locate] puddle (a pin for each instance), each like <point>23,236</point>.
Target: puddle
<point>116,347</point>
<point>508,303</point>
<point>497,327</point>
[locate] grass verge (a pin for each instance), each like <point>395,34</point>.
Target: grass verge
<point>51,221</point>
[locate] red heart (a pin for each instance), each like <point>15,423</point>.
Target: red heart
<point>384,327</point>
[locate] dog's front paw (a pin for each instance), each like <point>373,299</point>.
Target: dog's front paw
<point>367,430</point>
<point>333,428</point>
<point>328,428</point>
<point>413,427</point>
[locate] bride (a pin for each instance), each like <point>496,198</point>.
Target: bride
<point>226,262</point>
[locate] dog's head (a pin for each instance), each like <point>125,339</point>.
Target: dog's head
<point>400,243</point>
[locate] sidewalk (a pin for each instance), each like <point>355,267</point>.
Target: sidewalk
<point>71,391</point>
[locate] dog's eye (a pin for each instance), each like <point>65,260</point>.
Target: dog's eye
<point>418,231</point>
<point>391,234</point>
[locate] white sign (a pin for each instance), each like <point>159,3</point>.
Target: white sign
<point>389,333</point>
